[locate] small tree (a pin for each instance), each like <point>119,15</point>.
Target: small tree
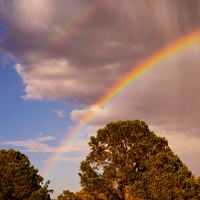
<point>128,161</point>
<point>19,179</point>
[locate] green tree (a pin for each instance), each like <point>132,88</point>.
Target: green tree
<point>128,161</point>
<point>67,195</point>
<point>19,179</point>
<point>81,195</point>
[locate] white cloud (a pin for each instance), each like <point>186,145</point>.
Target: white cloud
<point>65,159</point>
<point>38,145</point>
<point>81,114</point>
<point>32,145</point>
<point>60,113</point>
<point>45,138</point>
<point>56,79</point>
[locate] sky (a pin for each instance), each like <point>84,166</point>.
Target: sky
<point>58,58</point>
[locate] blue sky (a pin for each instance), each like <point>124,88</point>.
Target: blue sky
<point>46,91</point>
<point>24,114</point>
<point>24,120</point>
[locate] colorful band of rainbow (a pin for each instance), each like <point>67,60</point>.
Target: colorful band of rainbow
<point>171,50</point>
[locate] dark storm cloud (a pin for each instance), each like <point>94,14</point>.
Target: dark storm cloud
<point>110,33</point>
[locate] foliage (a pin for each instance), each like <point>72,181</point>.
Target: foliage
<point>128,161</point>
<point>67,195</point>
<point>19,179</point>
<point>81,195</point>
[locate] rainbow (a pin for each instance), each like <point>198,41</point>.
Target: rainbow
<point>70,25</point>
<point>144,66</point>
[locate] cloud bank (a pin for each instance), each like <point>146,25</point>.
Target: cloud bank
<point>77,49</point>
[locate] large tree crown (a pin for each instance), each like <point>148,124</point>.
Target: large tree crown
<point>127,158</point>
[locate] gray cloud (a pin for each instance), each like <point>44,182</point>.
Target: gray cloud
<point>77,49</point>
<point>168,96</point>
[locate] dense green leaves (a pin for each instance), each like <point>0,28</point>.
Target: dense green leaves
<point>19,179</point>
<point>128,161</point>
<point>81,195</point>
<point>67,195</point>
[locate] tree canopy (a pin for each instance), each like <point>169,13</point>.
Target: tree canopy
<point>128,161</point>
<point>68,195</point>
<point>19,180</point>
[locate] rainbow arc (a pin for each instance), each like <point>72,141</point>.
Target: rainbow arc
<point>137,71</point>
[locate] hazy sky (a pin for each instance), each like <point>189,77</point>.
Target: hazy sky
<point>59,57</point>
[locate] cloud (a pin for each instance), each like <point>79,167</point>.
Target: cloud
<point>39,145</point>
<point>60,113</point>
<point>92,43</point>
<point>31,145</point>
<point>76,50</point>
<point>37,12</point>
<point>167,96</point>
<point>54,79</point>
<point>45,138</point>
<point>6,58</point>
<point>80,114</point>
<point>66,159</point>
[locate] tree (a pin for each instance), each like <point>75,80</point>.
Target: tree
<point>67,195</point>
<point>128,161</point>
<point>83,195</point>
<point>19,179</point>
